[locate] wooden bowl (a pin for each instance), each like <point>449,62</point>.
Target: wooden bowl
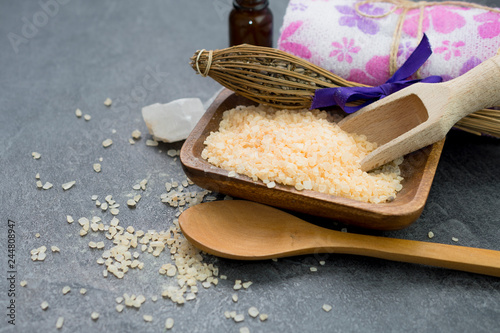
<point>418,170</point>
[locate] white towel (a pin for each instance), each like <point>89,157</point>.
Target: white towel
<point>333,35</point>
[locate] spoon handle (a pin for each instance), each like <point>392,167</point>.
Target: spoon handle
<point>460,258</point>
<point>477,89</point>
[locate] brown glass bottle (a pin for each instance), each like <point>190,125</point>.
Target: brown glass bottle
<point>251,22</point>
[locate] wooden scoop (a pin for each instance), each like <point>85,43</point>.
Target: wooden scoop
<point>423,113</point>
<point>246,230</point>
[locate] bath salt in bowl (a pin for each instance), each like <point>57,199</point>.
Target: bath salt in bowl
<point>301,161</point>
<point>299,148</point>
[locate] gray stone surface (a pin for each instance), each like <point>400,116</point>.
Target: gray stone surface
<point>136,52</point>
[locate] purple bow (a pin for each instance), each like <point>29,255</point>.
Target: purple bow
<point>342,95</point>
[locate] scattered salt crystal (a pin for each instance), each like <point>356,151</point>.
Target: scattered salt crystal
<point>44,305</point>
<point>114,222</point>
<point>326,307</point>
<point>108,102</point>
<point>151,143</point>
<point>136,134</point>
<point>78,113</point>
<point>169,323</point>
<point>97,167</point>
<point>106,143</point>
<point>39,184</point>
<point>430,234</point>
<point>147,318</point>
<point>244,329</point>
<point>263,317</point>
<point>247,284</point>
<point>69,219</point>
<point>55,248</point>
<point>23,283</point>
<point>237,285</point>
<point>47,186</point>
<point>120,307</point>
<point>83,221</point>
<point>60,322</point>
<point>94,315</point>
<point>313,269</point>
<point>253,312</point>
<point>131,203</point>
<point>68,185</point>
<point>66,289</point>
<point>83,291</point>
<point>36,155</point>
<point>454,239</point>
<point>239,318</point>
<point>235,298</point>
<point>87,117</point>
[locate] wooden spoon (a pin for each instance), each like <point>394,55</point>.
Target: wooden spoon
<point>423,113</point>
<point>238,229</point>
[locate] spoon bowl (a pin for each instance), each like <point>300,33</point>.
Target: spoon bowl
<point>245,230</point>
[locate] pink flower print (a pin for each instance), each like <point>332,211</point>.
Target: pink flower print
<point>292,47</point>
<point>446,77</point>
<point>298,6</point>
<point>450,49</point>
<point>491,24</point>
<point>342,50</point>
<point>352,19</point>
<point>470,64</point>
<point>444,20</point>
<point>376,72</point>
<point>406,49</point>
<point>467,66</point>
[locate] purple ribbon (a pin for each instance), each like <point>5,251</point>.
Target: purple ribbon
<point>342,95</point>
